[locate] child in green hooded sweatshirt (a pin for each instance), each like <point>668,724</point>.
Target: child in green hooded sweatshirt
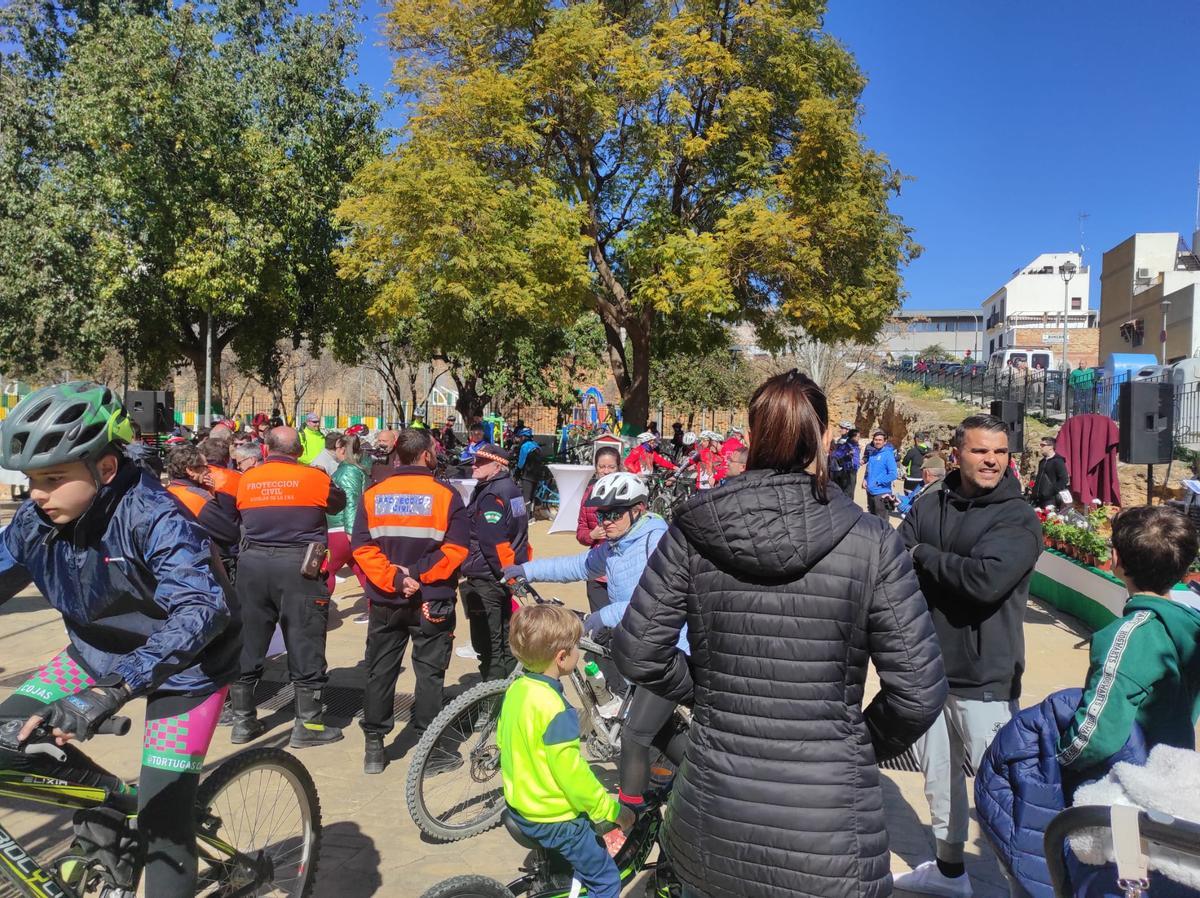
<point>1145,667</point>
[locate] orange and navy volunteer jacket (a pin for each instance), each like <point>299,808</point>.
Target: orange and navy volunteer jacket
<point>225,483</point>
<point>411,519</point>
<point>283,503</point>
<point>499,528</point>
<point>200,506</point>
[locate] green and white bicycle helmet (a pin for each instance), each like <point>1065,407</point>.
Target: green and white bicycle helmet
<point>63,423</point>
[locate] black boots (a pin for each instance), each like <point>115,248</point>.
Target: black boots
<point>308,730</point>
<point>373,758</point>
<point>245,720</point>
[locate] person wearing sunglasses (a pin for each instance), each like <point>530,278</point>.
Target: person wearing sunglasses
<point>631,534</point>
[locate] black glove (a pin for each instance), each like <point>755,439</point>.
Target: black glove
<point>593,625</point>
<point>82,713</point>
<point>602,636</point>
<point>512,572</point>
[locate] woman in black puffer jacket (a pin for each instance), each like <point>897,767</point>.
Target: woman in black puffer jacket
<point>787,589</point>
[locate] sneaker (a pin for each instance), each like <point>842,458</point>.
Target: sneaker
<point>363,618</point>
<point>927,879</point>
<point>610,709</point>
<point>465,651</point>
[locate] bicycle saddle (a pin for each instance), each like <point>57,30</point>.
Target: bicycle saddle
<point>517,836</point>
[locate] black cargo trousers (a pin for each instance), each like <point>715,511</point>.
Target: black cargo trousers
<point>272,590</point>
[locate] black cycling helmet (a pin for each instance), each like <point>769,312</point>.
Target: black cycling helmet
<point>77,421</point>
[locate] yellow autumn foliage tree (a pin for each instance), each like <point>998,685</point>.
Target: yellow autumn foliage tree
<point>663,165</point>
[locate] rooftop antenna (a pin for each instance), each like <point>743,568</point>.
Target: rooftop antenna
<point>1083,217</point>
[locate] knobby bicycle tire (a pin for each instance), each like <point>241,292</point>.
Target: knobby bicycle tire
<point>492,800</point>
<point>472,886</point>
<point>245,764</point>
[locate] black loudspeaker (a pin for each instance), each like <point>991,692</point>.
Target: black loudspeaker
<point>1146,418</point>
<point>1013,416</point>
<point>152,410</point>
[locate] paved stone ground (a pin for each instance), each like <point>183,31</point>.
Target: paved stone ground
<point>371,847</point>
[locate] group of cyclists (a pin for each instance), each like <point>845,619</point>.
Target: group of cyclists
<point>146,594</point>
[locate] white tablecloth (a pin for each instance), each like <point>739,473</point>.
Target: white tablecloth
<point>571,481</point>
<point>465,488</point>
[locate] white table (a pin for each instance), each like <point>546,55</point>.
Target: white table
<point>465,487</point>
<point>572,481</point>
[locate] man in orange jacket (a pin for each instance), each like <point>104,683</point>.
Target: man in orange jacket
<point>410,537</point>
<point>283,505</point>
<point>191,487</point>
<point>225,482</point>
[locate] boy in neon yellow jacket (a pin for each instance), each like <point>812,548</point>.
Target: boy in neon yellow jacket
<point>551,792</point>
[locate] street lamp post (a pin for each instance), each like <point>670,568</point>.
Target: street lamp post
<point>1067,271</point>
<point>1166,304</point>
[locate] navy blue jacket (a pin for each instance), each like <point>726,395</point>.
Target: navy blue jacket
<point>1020,787</point>
<point>135,582</point>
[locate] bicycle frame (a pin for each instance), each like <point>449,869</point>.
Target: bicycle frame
<point>33,880</point>
<point>29,877</point>
<point>631,860</point>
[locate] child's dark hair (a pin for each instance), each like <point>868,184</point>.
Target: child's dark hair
<point>1155,546</point>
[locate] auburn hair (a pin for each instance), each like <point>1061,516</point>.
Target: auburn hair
<point>788,419</point>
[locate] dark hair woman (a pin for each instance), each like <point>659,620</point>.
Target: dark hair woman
<point>788,589</point>
<point>589,532</point>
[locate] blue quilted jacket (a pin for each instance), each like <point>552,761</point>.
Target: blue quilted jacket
<point>1020,787</point>
<point>135,582</point>
<point>622,561</point>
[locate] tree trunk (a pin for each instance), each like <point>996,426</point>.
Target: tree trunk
<point>470,403</point>
<point>635,400</point>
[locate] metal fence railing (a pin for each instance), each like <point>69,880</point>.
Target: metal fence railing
<point>1043,394</point>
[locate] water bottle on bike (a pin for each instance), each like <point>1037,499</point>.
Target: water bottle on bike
<point>607,704</point>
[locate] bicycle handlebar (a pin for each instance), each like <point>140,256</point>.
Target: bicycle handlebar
<point>114,726</point>
<point>1156,827</point>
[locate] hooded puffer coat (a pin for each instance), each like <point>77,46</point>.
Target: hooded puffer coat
<point>785,598</point>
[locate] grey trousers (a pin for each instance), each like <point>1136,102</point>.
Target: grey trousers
<point>964,730</point>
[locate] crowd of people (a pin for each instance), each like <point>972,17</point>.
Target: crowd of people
<point>760,607</point>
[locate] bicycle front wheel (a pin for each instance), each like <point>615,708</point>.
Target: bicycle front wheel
<point>469,887</point>
<point>259,829</point>
<point>454,790</point>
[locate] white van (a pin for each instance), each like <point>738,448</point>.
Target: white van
<point>1032,359</point>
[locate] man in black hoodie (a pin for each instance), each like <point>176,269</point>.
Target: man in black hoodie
<point>974,544</point>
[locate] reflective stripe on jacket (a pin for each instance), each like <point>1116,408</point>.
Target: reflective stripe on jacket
<point>135,582</point>
<point>284,503</point>
<point>417,522</point>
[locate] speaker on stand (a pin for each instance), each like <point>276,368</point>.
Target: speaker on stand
<point>1146,424</point>
<point>1013,416</point>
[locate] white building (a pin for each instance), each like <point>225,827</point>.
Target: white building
<point>1140,275</point>
<point>912,333</point>
<point>1027,312</point>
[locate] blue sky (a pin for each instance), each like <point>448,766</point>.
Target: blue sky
<point>1013,118</point>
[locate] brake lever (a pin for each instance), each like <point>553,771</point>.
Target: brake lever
<point>40,741</point>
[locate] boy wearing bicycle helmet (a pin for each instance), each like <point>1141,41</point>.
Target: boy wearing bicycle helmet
<point>631,536</point>
<point>552,794</point>
<point>144,601</point>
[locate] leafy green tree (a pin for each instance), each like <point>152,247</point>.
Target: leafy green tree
<point>658,164</point>
<point>193,182</point>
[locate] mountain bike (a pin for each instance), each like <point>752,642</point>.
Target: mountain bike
<point>546,874</point>
<point>668,491</point>
<point>454,790</point>
<point>258,824</point>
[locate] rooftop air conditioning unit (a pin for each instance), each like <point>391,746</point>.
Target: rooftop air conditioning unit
<point>1143,274</point>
